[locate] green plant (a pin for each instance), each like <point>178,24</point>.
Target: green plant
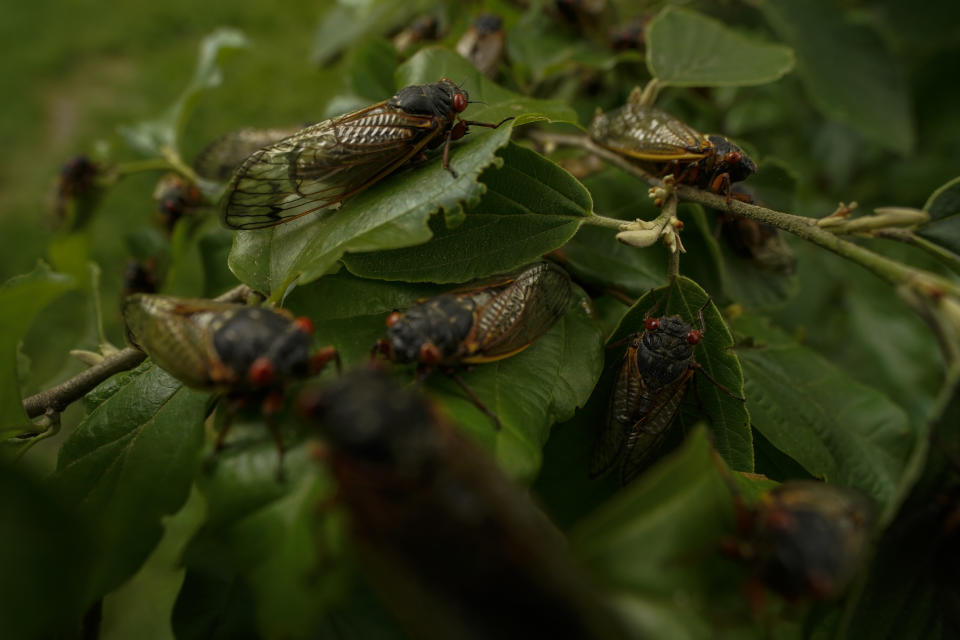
<point>848,364</point>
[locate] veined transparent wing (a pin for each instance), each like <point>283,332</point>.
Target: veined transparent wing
<point>219,159</point>
<point>522,312</point>
<point>323,164</point>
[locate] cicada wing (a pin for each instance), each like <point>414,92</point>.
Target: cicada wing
<point>620,418</point>
<point>658,413</point>
<point>322,165</point>
<point>177,333</point>
<point>648,134</point>
<point>219,159</point>
<point>520,312</point>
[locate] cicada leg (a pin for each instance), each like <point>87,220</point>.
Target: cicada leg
<point>473,396</point>
<point>273,405</point>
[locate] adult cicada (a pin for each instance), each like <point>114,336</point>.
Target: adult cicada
<point>647,391</point>
<point>483,44</point>
<point>805,539</point>
<point>244,352</point>
<point>484,322</point>
<point>322,165</point>
<point>663,145</point>
<point>436,526</point>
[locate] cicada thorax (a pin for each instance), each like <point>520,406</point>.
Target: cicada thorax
<point>663,145</point>
<point>805,540</point>
<point>433,331</point>
<point>435,521</point>
<point>219,346</point>
<point>647,393</point>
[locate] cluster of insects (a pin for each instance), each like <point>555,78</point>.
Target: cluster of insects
<point>417,492</point>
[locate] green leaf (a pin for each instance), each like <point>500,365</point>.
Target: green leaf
<point>530,208</point>
<point>837,428</point>
<point>688,49</point>
<point>212,607</point>
<point>850,73</point>
<point>152,136</point>
<point>393,213</point>
<point>263,530</point>
<point>48,554</point>
<point>22,298</point>
<point>656,544</point>
<point>131,461</point>
<point>729,419</point>
<point>944,209</point>
<point>370,70</point>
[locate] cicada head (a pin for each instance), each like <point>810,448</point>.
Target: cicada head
<point>442,99</point>
<point>367,415</point>
<point>665,349</point>
<point>431,332</point>
<point>809,538</point>
<point>731,159</point>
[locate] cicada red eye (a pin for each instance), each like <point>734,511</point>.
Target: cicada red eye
<point>305,324</point>
<point>652,324</point>
<point>459,102</point>
<point>261,372</point>
<point>695,336</point>
<point>394,318</point>
<point>429,353</point>
<point>733,157</point>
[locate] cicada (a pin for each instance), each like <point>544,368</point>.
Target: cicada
<point>324,164</point>
<point>483,44</point>
<point>175,197</point>
<point>437,526</point>
<point>239,350</point>
<point>805,539</point>
<point>423,29</point>
<point>647,392</point>
<point>663,145</point>
<point>484,322</point>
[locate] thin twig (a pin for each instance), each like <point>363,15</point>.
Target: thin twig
<point>62,395</point>
<point>930,284</point>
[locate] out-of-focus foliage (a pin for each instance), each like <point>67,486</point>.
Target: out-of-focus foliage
<point>842,381</point>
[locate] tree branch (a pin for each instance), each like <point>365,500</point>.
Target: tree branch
<point>61,396</point>
<point>930,285</point>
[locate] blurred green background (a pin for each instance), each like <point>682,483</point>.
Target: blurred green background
<point>72,72</point>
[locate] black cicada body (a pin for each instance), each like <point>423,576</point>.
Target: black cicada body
<point>437,526</point>
<point>322,165</point>
<point>485,322</point>
<point>662,145</point>
<point>217,345</point>
<point>647,392</point>
<point>806,540</point>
